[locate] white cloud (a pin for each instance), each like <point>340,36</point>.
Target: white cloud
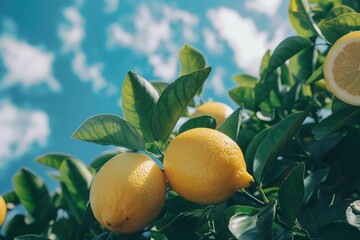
<point>111,6</point>
<point>268,7</point>
<point>241,34</point>
<point>212,42</point>
<point>21,130</point>
<point>72,33</point>
<point>159,31</point>
<point>26,65</point>
<point>217,81</point>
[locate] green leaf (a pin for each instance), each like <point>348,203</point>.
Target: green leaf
<point>159,86</point>
<point>339,10</point>
<point>174,100</point>
<point>108,129</point>
<point>259,226</point>
<point>30,237</point>
<point>231,126</point>
<point>103,236</point>
<point>244,138</point>
<point>71,204</point>
<point>336,212</point>
<point>291,192</point>
<point>245,80</point>
<point>264,65</point>
<point>301,65</point>
<point>339,26</point>
<point>317,75</point>
<point>100,160</point>
<point>300,18</point>
<point>139,99</point>
<point>190,60</point>
<point>338,230</point>
<point>285,50</point>
<point>11,197</point>
<point>77,178</point>
<point>17,226</point>
<point>198,122</point>
<point>32,193</point>
<point>244,96</point>
<point>252,148</point>
<point>334,122</point>
<point>312,180</point>
<point>275,140</point>
<point>53,160</point>
<point>239,209</point>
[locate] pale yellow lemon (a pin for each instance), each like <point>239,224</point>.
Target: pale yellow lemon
<point>3,210</point>
<point>217,110</point>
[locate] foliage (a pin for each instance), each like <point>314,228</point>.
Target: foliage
<point>300,143</point>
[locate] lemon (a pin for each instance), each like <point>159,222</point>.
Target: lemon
<point>3,210</point>
<point>342,68</point>
<point>128,193</point>
<point>217,110</point>
<point>205,166</point>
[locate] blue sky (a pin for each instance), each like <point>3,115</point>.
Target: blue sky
<point>64,61</point>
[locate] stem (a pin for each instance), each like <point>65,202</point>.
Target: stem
<point>251,197</point>
<point>262,193</point>
<point>160,150</point>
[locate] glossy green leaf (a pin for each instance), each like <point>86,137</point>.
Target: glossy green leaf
<point>30,237</point>
<point>71,204</point>
<point>285,50</point>
<point>239,209</point>
<point>317,75</point>
<point>300,18</point>
<point>32,193</point>
<point>291,192</point>
<point>245,80</point>
<point>338,230</point>
<point>334,122</point>
<point>18,225</point>
<point>301,65</point>
<point>77,178</point>
<point>339,10</point>
<point>100,160</point>
<point>259,226</point>
<point>191,60</point>
<point>244,138</point>
<point>198,122</point>
<point>337,27</point>
<point>252,148</point>
<point>108,129</point>
<point>103,236</point>
<point>11,197</point>
<point>312,180</point>
<point>243,96</point>
<point>264,65</point>
<point>139,99</point>
<point>335,212</point>
<point>275,140</point>
<point>174,100</point>
<point>159,86</point>
<point>231,126</point>
<point>53,160</point>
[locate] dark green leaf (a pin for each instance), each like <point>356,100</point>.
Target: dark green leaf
<point>335,212</point>
<point>338,230</point>
<point>317,75</point>
<point>337,27</point>
<point>243,95</point>
<point>264,65</point>
<point>100,160</point>
<point>198,122</point>
<point>53,160</point>
<point>139,99</point>
<point>334,122</point>
<point>252,148</point>
<point>108,129</point>
<point>174,100</point>
<point>275,140</point>
<point>190,60</point>
<point>103,236</point>
<point>11,197</point>
<point>32,193</point>
<point>312,180</point>
<point>301,65</point>
<point>77,178</point>
<point>231,126</point>
<point>30,237</point>
<point>259,226</point>
<point>71,204</point>
<point>291,192</point>
<point>159,86</point>
<point>245,80</point>
<point>18,226</point>
<point>244,138</point>
<point>285,50</point>
<point>239,209</point>
<point>339,10</point>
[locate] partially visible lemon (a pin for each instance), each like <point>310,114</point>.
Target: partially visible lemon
<point>217,110</point>
<point>3,210</point>
<point>342,68</point>
<point>205,166</point>
<point>128,193</point>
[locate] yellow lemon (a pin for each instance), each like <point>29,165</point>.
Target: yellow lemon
<point>342,68</point>
<point>205,166</point>
<point>128,193</point>
<point>217,110</point>
<point>3,210</point>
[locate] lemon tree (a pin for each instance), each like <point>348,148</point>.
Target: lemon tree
<point>283,165</point>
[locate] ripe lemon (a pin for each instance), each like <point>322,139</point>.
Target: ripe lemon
<point>128,193</point>
<point>217,110</point>
<point>205,166</point>
<point>342,68</point>
<point>3,210</point>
